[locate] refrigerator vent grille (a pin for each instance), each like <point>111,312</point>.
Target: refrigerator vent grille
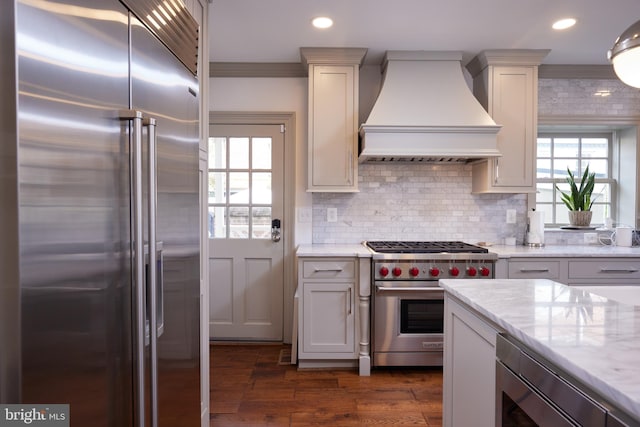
<point>180,34</point>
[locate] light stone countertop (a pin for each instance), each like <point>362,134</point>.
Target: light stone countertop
<point>359,250</point>
<point>565,251</point>
<point>334,250</point>
<point>590,337</point>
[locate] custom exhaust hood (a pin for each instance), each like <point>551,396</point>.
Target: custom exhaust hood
<point>425,112</point>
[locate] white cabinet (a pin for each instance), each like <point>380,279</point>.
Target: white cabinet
<point>328,318</point>
<point>333,118</point>
<point>469,368</point>
<point>604,271</point>
<point>575,271</point>
<point>539,268</point>
<point>506,84</point>
<point>328,310</point>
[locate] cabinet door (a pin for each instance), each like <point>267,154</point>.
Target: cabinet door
<point>469,369</point>
<point>512,107</point>
<point>511,100</point>
<point>333,128</point>
<point>328,317</point>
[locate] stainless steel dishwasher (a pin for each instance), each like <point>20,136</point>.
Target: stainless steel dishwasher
<point>532,392</point>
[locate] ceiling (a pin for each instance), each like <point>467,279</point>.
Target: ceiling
<point>274,30</point>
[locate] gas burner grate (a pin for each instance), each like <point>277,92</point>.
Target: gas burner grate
<point>399,247</point>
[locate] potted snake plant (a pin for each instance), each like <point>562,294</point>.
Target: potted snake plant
<point>578,200</point>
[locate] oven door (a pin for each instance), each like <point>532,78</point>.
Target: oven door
<point>408,324</point>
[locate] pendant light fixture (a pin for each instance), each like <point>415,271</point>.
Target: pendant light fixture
<point>625,56</point>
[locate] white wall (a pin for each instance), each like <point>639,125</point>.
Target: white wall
<point>270,95</point>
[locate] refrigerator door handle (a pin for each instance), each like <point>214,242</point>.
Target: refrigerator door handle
<point>136,118</point>
<point>150,123</point>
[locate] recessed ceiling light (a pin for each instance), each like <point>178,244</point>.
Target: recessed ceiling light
<point>322,22</point>
<point>563,24</point>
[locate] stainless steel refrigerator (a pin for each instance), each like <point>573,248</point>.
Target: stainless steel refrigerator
<point>98,165</point>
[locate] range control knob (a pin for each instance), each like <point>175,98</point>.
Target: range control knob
<point>413,271</point>
<point>433,271</point>
<point>484,271</point>
<point>454,271</point>
<point>396,271</point>
<point>384,271</point>
<point>471,271</point>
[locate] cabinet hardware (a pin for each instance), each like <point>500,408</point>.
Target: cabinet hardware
<point>327,270</point>
<point>618,270</point>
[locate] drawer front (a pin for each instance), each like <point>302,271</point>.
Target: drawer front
<point>534,269</point>
<point>600,268</point>
<point>329,269</point>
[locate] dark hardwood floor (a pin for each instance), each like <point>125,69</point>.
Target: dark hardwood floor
<point>249,387</point>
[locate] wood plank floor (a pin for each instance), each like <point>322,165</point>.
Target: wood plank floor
<point>250,388</point>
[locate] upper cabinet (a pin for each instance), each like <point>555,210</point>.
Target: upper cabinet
<point>506,84</point>
<point>333,117</point>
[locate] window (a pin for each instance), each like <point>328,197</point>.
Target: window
<point>559,151</point>
<point>240,175</point>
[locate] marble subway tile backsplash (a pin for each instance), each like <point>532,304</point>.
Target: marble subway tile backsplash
<point>587,97</point>
<point>416,202</point>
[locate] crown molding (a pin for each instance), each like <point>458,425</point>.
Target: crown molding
<point>332,55</point>
<point>297,69</point>
<point>506,57</point>
<point>256,69</point>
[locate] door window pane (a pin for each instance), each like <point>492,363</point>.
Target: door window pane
<point>261,188</point>
<point>239,153</point>
<point>217,153</point>
<point>217,222</point>
<point>261,153</point>
<point>238,222</point>
<point>261,222</point>
<point>217,187</point>
<point>238,188</point>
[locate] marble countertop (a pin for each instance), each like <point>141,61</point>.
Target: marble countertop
<point>333,250</point>
<point>588,336</point>
<point>503,251</point>
<point>565,251</point>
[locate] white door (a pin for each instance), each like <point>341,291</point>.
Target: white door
<point>246,194</point>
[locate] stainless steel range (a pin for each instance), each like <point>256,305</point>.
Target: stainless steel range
<point>408,304</point>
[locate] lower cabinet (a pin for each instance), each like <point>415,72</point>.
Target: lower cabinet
<point>328,318</point>
<point>469,368</point>
<point>333,313</point>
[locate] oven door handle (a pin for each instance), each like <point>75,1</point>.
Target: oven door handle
<point>409,288</point>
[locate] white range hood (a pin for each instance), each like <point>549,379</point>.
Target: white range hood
<point>426,112</point>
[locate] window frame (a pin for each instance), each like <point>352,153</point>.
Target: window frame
<point>555,199</point>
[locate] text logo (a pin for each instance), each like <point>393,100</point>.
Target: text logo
<point>34,415</point>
